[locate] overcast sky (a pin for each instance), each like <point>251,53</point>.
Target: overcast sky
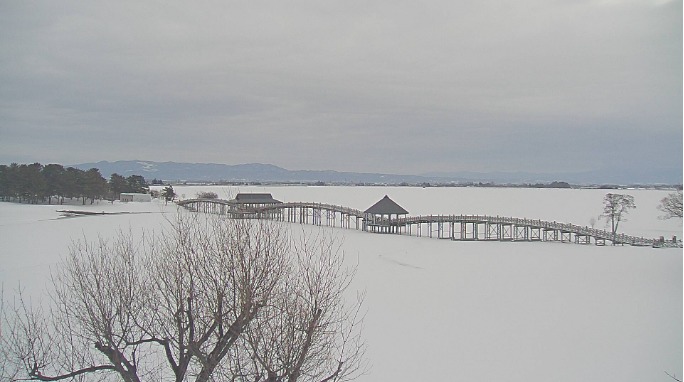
<point>367,86</point>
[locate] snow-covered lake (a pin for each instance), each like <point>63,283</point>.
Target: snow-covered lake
<point>451,311</point>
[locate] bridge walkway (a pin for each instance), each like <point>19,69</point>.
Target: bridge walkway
<point>453,227</point>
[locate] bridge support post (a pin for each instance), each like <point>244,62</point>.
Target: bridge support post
<point>582,239</point>
<point>566,236</point>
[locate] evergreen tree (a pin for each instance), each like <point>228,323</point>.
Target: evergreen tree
<point>33,185</point>
<point>168,193</point>
<point>13,188</point>
<point>11,179</point>
<point>4,185</point>
<point>54,179</point>
<point>73,179</point>
<point>95,185</point>
<point>117,185</point>
<point>137,184</point>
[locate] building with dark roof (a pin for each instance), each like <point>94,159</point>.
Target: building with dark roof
<point>247,200</point>
<point>384,216</point>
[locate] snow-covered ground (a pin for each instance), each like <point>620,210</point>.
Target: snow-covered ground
<point>450,311</point>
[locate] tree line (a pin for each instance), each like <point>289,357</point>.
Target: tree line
<point>36,183</point>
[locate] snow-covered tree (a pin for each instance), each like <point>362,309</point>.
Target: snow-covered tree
<point>615,207</point>
<point>671,205</point>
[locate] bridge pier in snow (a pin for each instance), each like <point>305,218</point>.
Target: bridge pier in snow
<point>388,217</point>
<point>582,239</point>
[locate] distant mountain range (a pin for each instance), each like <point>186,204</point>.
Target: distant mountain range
<point>257,172</point>
<point>251,172</point>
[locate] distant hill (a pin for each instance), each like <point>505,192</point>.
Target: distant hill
<point>258,172</point>
<point>212,172</point>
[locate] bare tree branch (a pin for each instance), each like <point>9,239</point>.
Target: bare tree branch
<point>208,298</point>
<point>671,205</point>
<point>615,207</point>
<point>35,373</point>
<point>303,332</point>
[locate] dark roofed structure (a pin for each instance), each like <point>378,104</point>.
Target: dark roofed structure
<point>255,199</point>
<point>383,216</point>
<point>386,206</point>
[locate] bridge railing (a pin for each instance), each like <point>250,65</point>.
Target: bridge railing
<point>532,223</point>
<point>320,206</point>
<point>278,206</point>
<point>521,222</point>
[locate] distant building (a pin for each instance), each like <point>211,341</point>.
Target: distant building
<point>249,200</point>
<point>383,216</point>
<point>134,197</point>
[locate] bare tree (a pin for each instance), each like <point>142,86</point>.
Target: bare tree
<point>7,372</point>
<point>309,332</point>
<point>181,306</point>
<point>224,272</point>
<point>90,325</point>
<point>615,207</point>
<point>671,205</point>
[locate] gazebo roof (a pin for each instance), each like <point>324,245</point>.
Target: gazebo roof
<point>255,198</point>
<point>386,206</point>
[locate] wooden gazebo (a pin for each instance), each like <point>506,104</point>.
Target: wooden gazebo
<point>254,200</point>
<point>383,216</point>
<point>251,205</point>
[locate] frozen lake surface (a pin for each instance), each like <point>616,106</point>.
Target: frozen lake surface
<point>443,310</point>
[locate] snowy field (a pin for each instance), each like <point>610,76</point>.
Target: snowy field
<point>453,311</point>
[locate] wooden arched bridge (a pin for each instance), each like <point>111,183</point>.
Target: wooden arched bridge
<point>453,227</point>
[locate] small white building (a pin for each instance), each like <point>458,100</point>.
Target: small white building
<point>134,197</point>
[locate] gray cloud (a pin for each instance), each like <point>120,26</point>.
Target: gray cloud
<point>358,86</point>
